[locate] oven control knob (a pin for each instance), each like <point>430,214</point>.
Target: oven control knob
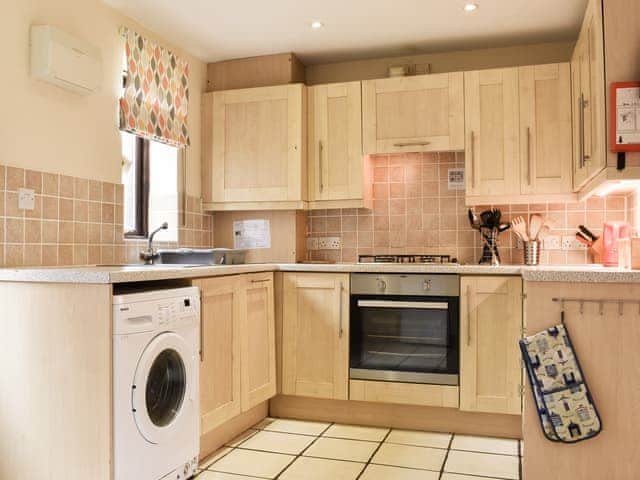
<point>427,285</point>
<point>382,285</point>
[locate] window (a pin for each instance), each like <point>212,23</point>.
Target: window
<point>150,178</point>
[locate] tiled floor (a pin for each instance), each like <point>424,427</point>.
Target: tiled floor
<point>297,450</point>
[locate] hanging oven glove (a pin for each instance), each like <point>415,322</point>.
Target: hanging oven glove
<point>565,407</point>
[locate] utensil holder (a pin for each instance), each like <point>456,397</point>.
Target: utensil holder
<point>532,250</point>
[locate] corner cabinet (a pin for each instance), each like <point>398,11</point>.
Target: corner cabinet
<point>588,98</point>
<point>237,358</point>
<point>336,176</point>
<point>424,113</point>
<point>518,134</point>
<point>315,335</point>
<point>254,148</point>
<point>490,328</point>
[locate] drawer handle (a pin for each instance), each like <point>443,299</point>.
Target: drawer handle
<point>340,330</point>
<point>468,315</point>
<point>320,166</point>
<point>411,144</point>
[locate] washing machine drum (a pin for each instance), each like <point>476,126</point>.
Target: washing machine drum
<point>161,387</point>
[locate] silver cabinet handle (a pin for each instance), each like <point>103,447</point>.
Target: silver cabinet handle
<point>340,330</point>
<point>411,144</point>
<point>581,131</point>
<point>320,165</point>
<point>201,333</point>
<point>529,155</point>
<point>468,315</point>
<point>473,160</point>
<point>399,304</point>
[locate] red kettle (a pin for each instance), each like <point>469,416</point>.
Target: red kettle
<point>611,233</point>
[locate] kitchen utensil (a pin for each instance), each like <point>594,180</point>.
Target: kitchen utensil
<point>504,227</point>
<point>583,240</point>
<point>588,232</point>
<point>520,227</point>
<point>531,252</point>
<point>535,223</point>
<point>611,233</point>
<point>544,231</point>
<point>473,219</point>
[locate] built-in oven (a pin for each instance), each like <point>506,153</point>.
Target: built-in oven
<point>405,328</point>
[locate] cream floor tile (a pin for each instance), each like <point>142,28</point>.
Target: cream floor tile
<point>483,464</point>
<point>252,463</point>
<point>456,476</point>
<point>209,475</point>
<point>342,449</point>
<point>308,468</point>
<point>410,456</point>
<point>242,437</point>
<point>296,426</point>
<point>214,457</point>
<point>419,439</point>
<point>278,442</point>
<point>262,424</point>
<point>384,472</point>
<point>354,432</point>
<point>503,446</point>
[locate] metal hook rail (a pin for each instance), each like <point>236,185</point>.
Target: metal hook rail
<point>600,301</point>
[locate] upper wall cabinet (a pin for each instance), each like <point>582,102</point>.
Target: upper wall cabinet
<point>335,146</point>
<point>588,98</point>
<point>491,124</point>
<point>545,129</point>
<point>255,148</point>
<point>518,129</point>
<point>413,114</point>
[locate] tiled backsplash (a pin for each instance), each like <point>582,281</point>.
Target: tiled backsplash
<point>415,212</point>
<point>76,221</point>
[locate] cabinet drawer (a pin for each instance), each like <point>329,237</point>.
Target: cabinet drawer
<point>404,393</point>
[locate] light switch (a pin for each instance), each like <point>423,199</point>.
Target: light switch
<point>26,199</point>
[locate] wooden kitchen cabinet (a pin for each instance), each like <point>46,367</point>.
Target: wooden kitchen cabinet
<point>490,328</point>
<point>315,335</point>
<point>237,365</point>
<point>492,136</point>
<point>258,352</point>
<point>588,98</point>
<point>423,113</point>
<point>335,146</point>
<point>545,129</point>
<point>254,148</point>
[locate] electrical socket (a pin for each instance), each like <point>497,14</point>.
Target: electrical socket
<point>569,242</point>
<point>26,199</point>
<point>329,243</point>
<point>312,243</point>
<point>552,242</point>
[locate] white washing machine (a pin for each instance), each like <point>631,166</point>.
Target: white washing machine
<point>156,338</point>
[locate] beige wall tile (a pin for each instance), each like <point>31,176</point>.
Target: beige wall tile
<point>107,213</point>
<point>65,254</point>
<point>50,182</point>
<point>14,255</point>
<point>49,255</point>
<point>81,188</point>
<point>95,191</point>
<point>65,232</point>
<point>65,209</point>
<point>14,230</point>
<point>49,231</point>
<point>33,231</point>
<point>33,255</point>
<point>15,178</point>
<point>50,208</point>
<point>3,173</point>
<point>11,205</point>
<point>66,186</point>
<point>33,180</point>
<point>108,192</point>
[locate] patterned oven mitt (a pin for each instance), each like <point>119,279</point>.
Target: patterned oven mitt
<point>565,407</point>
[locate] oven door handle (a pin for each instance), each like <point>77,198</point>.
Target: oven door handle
<point>400,304</point>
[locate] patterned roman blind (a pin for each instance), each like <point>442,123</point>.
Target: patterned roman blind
<point>155,97</point>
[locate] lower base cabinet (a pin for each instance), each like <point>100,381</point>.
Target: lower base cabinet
<point>404,393</point>
<point>237,368</point>
<point>315,335</point>
<point>490,328</point>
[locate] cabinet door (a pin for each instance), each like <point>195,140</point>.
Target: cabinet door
<point>315,335</point>
<point>256,147</point>
<point>220,352</point>
<point>490,327</point>
<point>492,140</point>
<point>335,142</point>
<point>545,128</point>
<point>413,114</point>
<point>258,370</point>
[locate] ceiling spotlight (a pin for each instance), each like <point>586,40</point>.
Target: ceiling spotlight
<point>316,24</point>
<point>470,7</point>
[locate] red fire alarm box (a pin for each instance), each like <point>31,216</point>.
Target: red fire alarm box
<point>624,135</point>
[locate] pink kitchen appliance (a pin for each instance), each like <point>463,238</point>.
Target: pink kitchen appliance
<point>611,233</point>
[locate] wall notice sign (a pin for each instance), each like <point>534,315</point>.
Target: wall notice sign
<point>455,179</point>
<point>625,117</point>
<point>251,234</point>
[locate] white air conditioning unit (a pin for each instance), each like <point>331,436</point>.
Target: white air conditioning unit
<point>64,60</point>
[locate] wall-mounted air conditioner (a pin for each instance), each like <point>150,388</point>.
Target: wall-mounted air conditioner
<point>64,60</point>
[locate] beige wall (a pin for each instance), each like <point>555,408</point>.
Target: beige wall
<point>49,129</point>
<point>443,62</point>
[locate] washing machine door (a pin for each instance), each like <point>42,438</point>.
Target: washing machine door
<point>161,387</point>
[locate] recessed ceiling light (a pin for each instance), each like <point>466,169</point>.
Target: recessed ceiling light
<point>316,24</point>
<point>470,7</point>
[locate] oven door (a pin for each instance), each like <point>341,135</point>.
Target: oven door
<point>404,339</point>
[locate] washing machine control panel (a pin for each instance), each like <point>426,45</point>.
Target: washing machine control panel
<point>174,311</point>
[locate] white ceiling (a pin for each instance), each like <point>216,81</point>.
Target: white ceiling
<point>214,30</point>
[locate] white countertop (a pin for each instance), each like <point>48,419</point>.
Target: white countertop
<point>125,274</point>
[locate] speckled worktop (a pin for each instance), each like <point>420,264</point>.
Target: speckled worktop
<point>125,274</point>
